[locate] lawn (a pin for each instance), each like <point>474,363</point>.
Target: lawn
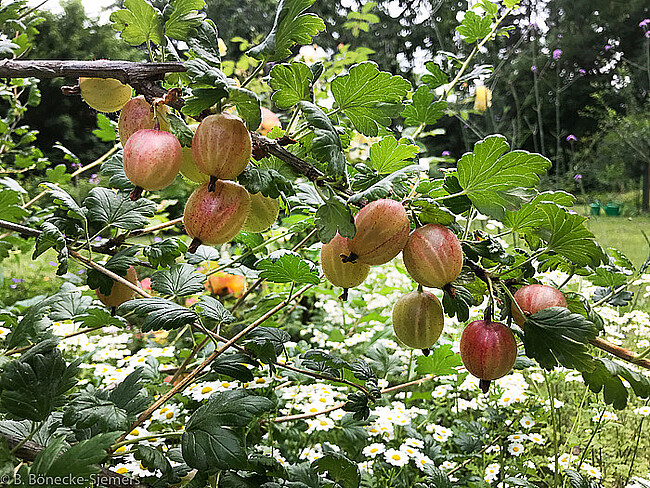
<point>623,233</point>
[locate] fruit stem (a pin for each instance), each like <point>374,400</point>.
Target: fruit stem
<point>420,289</point>
<point>344,295</point>
<point>136,193</point>
<point>213,183</point>
<point>194,245</point>
<point>426,351</point>
<point>484,385</point>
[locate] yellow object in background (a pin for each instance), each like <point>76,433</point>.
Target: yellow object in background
<point>483,98</point>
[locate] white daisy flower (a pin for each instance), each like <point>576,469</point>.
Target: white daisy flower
<point>396,457</point>
<point>373,450</point>
<point>515,449</point>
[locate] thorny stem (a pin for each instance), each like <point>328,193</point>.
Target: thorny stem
<point>110,274</point>
<point>476,49</point>
<point>190,377</point>
<point>551,400</point>
<point>252,76</point>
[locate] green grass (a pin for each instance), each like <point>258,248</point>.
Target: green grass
<point>623,233</point>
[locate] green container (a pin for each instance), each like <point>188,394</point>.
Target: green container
<point>612,210</point>
<point>594,208</point>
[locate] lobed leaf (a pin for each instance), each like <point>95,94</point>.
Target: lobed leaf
<point>369,97</point>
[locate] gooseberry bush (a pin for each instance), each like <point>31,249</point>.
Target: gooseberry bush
<point>233,353</point>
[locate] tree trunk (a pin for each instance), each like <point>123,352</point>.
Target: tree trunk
<point>645,202</point>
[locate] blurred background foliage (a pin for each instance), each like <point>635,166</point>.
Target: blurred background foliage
<point>569,68</point>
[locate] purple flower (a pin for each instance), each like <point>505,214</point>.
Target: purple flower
<point>13,286</point>
<point>446,153</point>
<point>644,23</point>
<point>52,263</point>
<point>577,177</point>
<point>557,54</point>
<point>608,47</point>
<point>533,68</point>
<point>94,179</point>
<point>17,280</point>
<point>157,239</point>
<point>559,36</point>
<point>582,71</point>
<point>572,138</point>
<point>647,34</point>
<point>80,272</point>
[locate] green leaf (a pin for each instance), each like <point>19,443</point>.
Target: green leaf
<point>436,478</point>
<point>164,253</point>
<point>105,130</point>
<point>607,377</point>
<point>184,19</point>
<point>556,336</point>
<point>441,361</point>
<point>34,384</point>
<point>436,78</point>
<point>11,206</point>
<point>152,459</point>
<point>287,267</point>
<point>291,26</point>
<point>458,301</point>
<point>234,365</point>
<point>180,280</point>
<point>424,109</point>
<point>76,464</point>
<point>267,343</point>
<point>113,169</point>
<point>33,325</point>
<point>332,217</point>
<point>495,181</point>
<point>118,264</point>
<point>386,186</point>
<point>205,43</point>
<point>96,317</point>
<point>268,182</point>
<point>159,313</point>
<point>138,22</point>
<point>51,237</point>
<point>236,408</point>
<point>388,155</point>
<point>180,129</point>
<point>67,303</point>
<point>202,99</point>
<point>209,447</point>
<point>326,146</point>
<point>529,216</point>
<point>432,213</point>
<point>108,208</point>
<point>58,174</point>
<point>65,201</point>
<point>565,233</point>
<point>291,83</point>
<point>369,97</point>
<point>213,309</point>
<point>339,468</point>
<point>576,480</point>
<point>248,106</point>
<point>206,74</point>
<point>474,27</point>
<point>87,410</point>
<point>5,247</point>
<point>130,394</point>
